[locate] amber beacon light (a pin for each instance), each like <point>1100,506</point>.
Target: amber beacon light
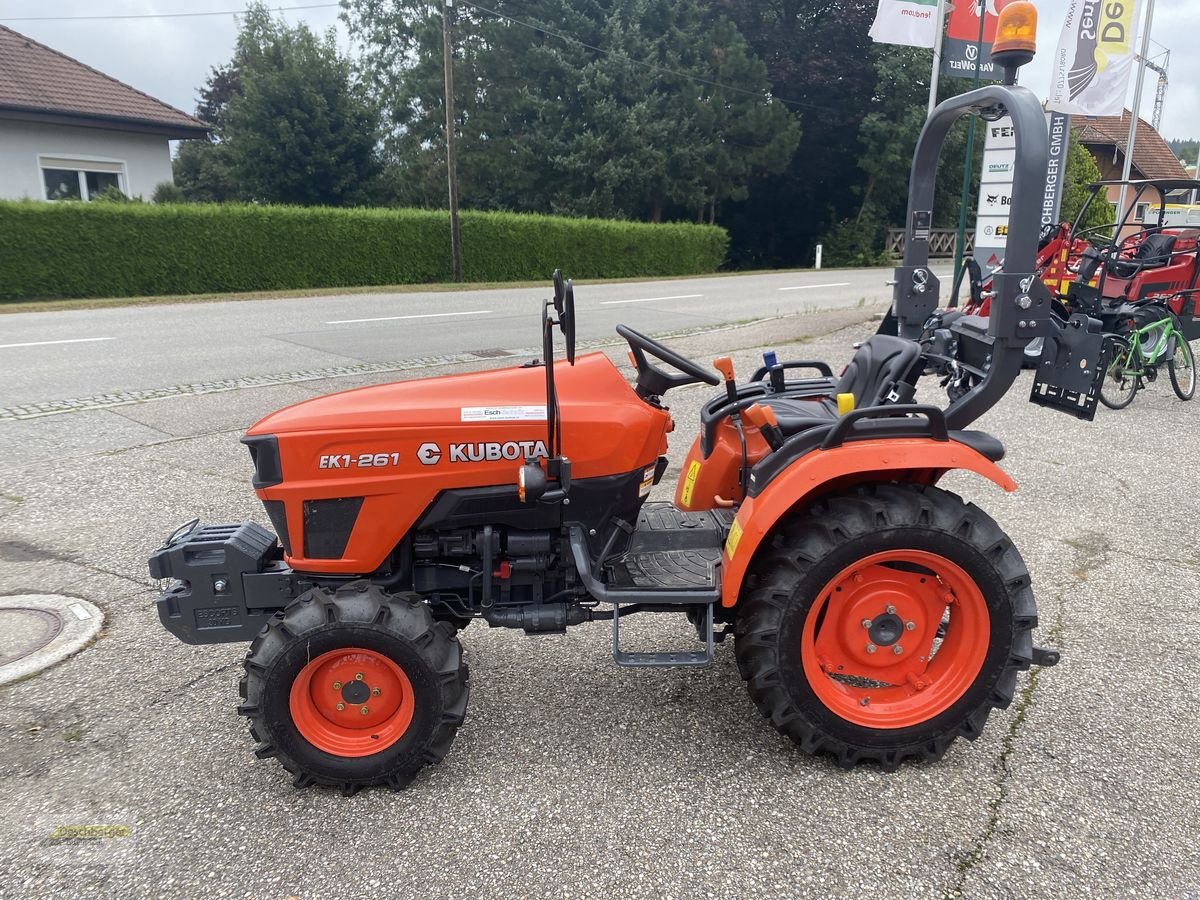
<point>1016,37</point>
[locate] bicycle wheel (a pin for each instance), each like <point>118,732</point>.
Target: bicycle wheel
<point>1182,368</point>
<point>1121,381</point>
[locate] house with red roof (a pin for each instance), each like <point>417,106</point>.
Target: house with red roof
<point>68,131</point>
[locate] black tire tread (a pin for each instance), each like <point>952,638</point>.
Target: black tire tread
<point>359,603</point>
<point>803,540</point>
<point>1178,388</point>
<point>1119,345</point>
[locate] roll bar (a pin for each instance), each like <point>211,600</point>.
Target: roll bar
<point>1020,308</point>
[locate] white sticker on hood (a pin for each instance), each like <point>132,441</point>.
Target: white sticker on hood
<point>504,414</point>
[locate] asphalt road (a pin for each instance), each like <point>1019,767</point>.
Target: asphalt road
<point>79,354</point>
<point>572,777</point>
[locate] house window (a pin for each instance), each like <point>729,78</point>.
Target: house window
<point>1140,212</point>
<point>67,179</point>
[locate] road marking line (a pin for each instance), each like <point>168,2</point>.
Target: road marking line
<point>45,343</point>
<point>472,312</point>
<point>809,287</point>
<point>651,299</point>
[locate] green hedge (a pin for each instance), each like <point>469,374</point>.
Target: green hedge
<point>126,250</point>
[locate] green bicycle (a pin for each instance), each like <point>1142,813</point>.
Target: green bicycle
<point>1149,337</point>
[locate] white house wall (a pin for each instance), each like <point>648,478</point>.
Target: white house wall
<point>146,157</point>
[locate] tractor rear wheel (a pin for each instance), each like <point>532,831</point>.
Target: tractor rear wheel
<point>354,687</point>
<point>884,623</point>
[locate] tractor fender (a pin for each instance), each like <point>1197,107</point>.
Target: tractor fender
<point>920,460</point>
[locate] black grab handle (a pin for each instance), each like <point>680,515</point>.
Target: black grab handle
<point>844,428</point>
<point>821,367</point>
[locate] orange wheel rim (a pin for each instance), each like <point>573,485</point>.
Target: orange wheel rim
<point>352,702</point>
<point>895,639</point>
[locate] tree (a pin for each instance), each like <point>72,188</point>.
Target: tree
<point>818,59</point>
<point>888,137</point>
<point>635,108</point>
<point>655,139</point>
<point>1080,171</point>
<point>1186,150</point>
<point>203,169</point>
<point>291,124</point>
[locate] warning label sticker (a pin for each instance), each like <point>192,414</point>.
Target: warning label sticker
<point>689,484</point>
<point>647,481</point>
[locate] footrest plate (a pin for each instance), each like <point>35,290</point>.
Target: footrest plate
<point>659,659</point>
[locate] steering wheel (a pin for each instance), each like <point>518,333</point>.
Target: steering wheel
<point>653,381</point>
<point>1096,238</point>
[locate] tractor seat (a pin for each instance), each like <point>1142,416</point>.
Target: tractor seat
<point>877,374</point>
<point>1153,252</point>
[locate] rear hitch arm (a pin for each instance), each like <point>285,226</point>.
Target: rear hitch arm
<point>1045,657</point>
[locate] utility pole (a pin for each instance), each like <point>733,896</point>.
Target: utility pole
<point>969,157</point>
<point>451,166</point>
<point>936,71</point>
<point>1137,103</point>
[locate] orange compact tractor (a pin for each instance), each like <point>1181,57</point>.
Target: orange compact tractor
<point>875,616</point>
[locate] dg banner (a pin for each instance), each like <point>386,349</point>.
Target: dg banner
<point>961,55</point>
<point>1094,57</point>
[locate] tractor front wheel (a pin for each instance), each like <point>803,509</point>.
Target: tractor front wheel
<point>884,623</point>
<point>354,687</point>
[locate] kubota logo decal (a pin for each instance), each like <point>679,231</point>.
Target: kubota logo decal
<point>430,454</point>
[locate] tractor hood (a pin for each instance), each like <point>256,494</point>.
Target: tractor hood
<point>505,395</point>
<point>387,452</point>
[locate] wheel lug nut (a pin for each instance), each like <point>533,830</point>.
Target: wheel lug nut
<point>864,701</point>
<point>867,623</point>
<point>363,711</point>
<point>891,610</point>
<point>341,706</point>
<point>337,685</point>
<point>897,649</point>
<point>358,676</point>
<point>871,648</point>
<point>374,692</point>
<point>909,626</point>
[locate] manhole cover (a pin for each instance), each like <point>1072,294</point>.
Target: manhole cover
<point>26,631</point>
<point>38,630</point>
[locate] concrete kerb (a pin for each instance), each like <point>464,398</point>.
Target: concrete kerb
<point>39,630</point>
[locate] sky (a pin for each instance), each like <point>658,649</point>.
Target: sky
<point>170,58</point>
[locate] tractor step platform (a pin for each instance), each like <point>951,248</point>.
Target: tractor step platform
<point>672,550</point>
<point>659,659</point>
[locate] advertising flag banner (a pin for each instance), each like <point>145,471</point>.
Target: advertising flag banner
<point>910,22</point>
<point>960,56</point>
<point>1094,58</point>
